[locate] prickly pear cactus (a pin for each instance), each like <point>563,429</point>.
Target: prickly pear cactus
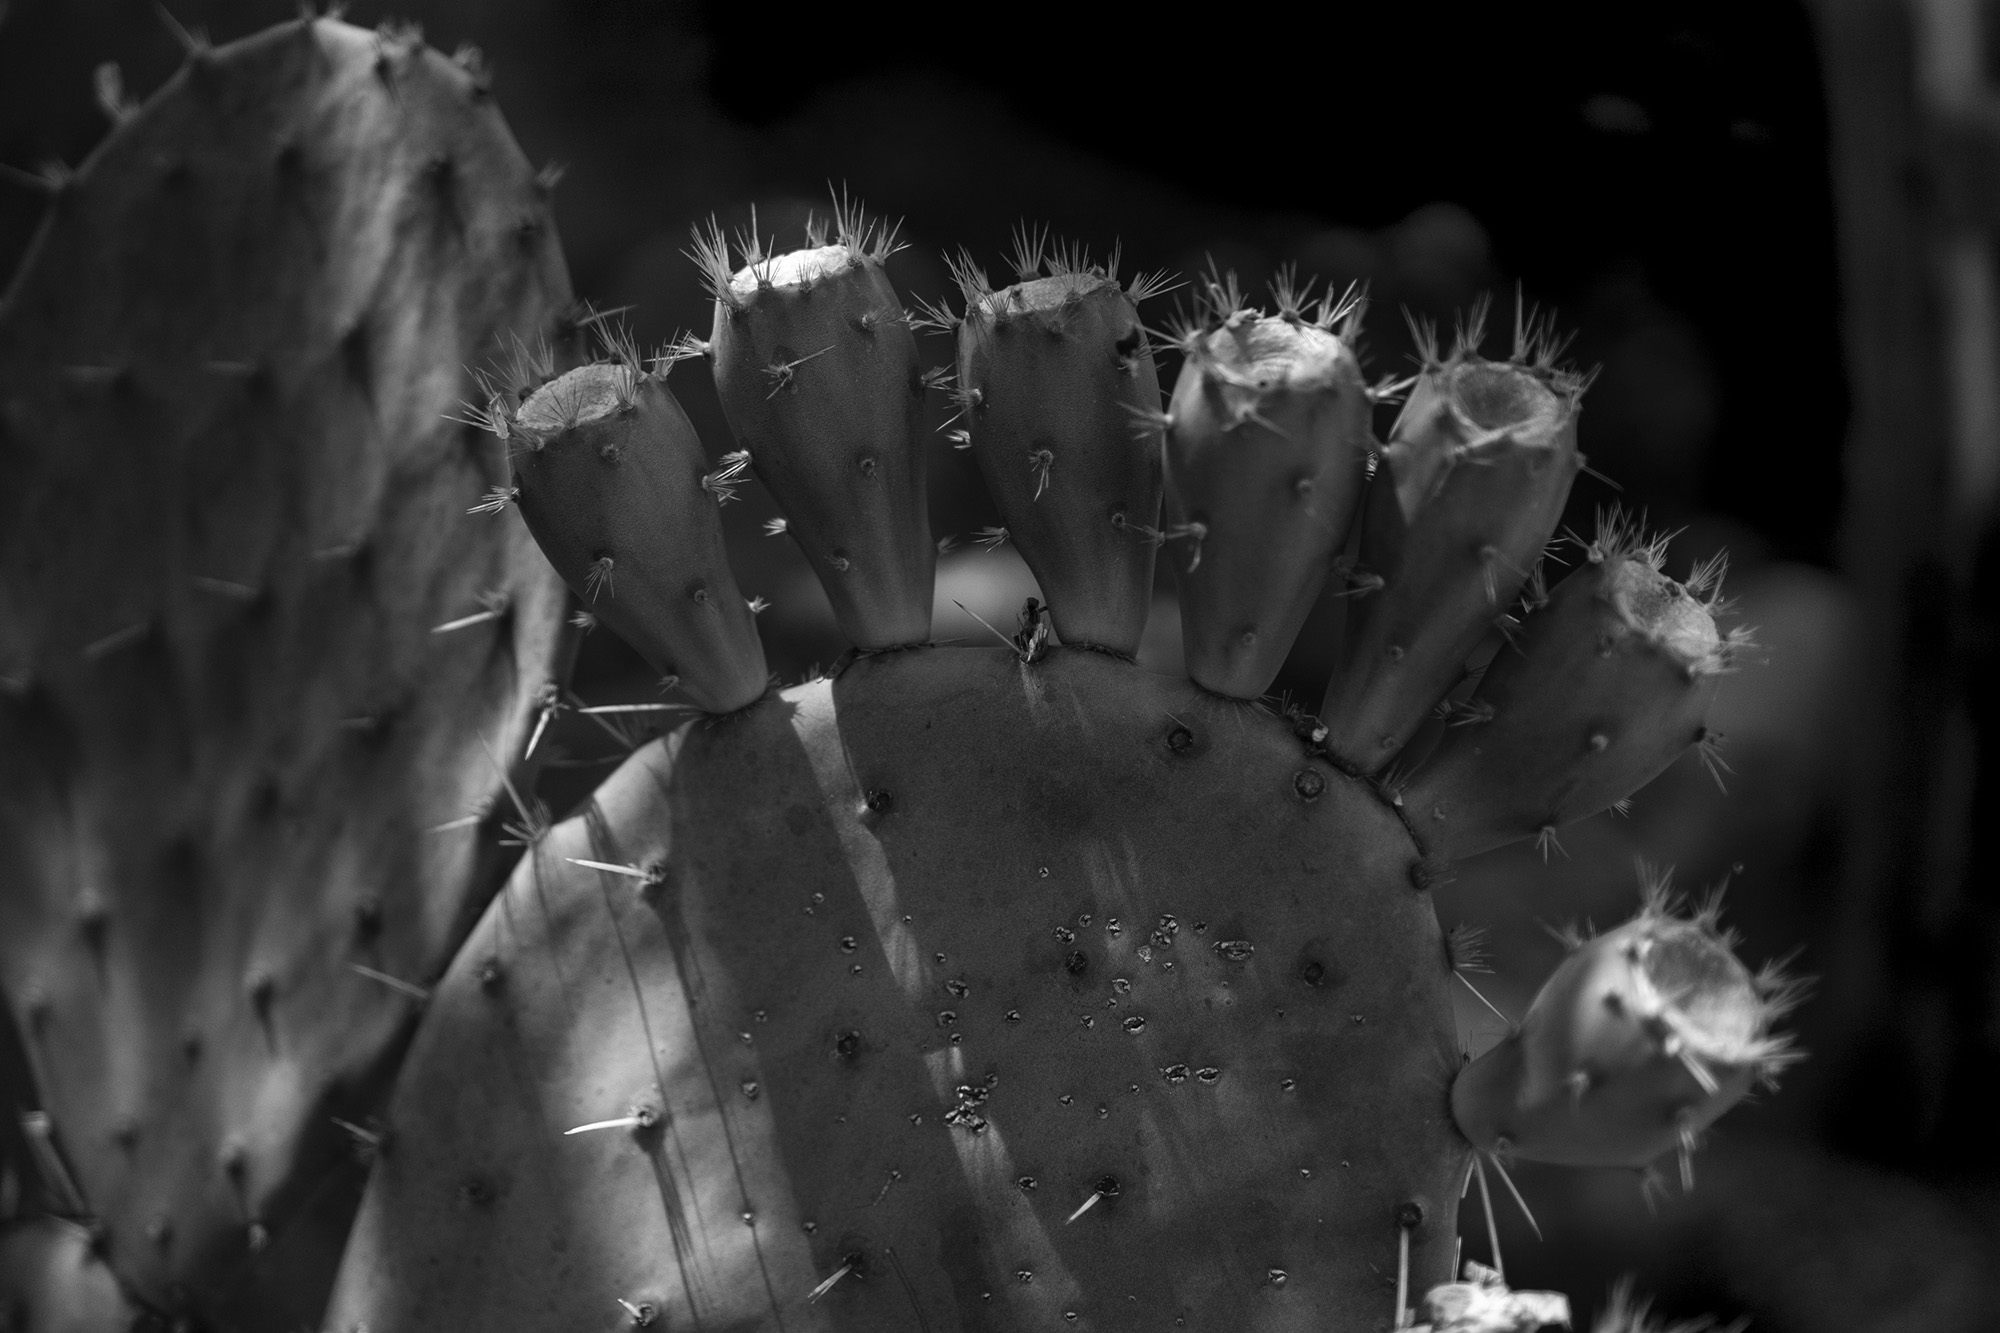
<point>910,965</point>
<point>1015,987</point>
<point>244,782</point>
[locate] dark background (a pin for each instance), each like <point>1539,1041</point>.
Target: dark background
<point>1657,173</point>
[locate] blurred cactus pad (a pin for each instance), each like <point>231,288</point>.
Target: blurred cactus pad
<point>982,988</point>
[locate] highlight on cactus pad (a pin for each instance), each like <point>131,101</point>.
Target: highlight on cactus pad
<point>1001,986</point>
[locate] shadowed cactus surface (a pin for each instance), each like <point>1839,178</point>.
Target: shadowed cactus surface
<point>992,988</point>
<point>243,783</point>
<point>51,1281</point>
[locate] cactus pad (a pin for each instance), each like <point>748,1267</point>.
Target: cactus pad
<point>52,1281</point>
<point>910,965</point>
<point>234,513</point>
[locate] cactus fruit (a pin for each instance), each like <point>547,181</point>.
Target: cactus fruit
<point>1471,485</point>
<point>1267,446</point>
<point>614,484</point>
<point>819,379</point>
<point>1635,1045</point>
<point>990,988</point>
<point>1607,684</point>
<point>234,514</point>
<point>1052,373</point>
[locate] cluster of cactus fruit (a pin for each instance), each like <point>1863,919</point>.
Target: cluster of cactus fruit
<point>981,988</point>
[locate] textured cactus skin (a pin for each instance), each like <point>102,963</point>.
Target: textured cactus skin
<point>51,1282</point>
<point>1112,799</point>
<point>233,513</point>
<point>836,438</point>
<point>1052,373</point>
